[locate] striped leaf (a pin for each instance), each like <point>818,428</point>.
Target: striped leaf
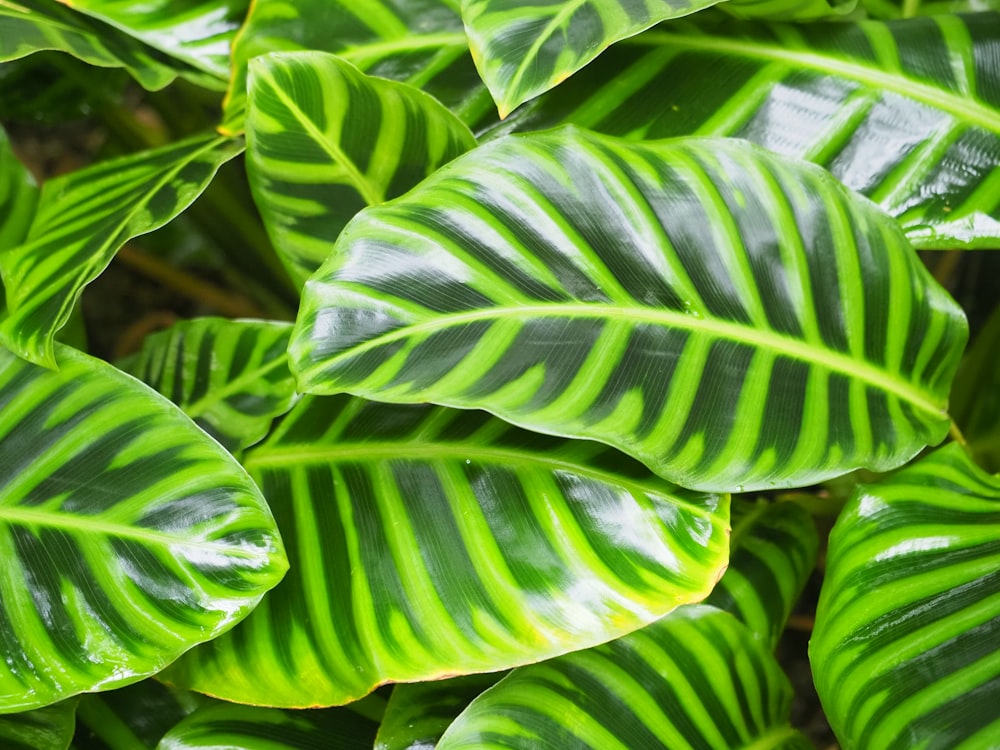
<point>732,319</point>
<point>905,650</point>
<point>772,552</point>
<point>419,42</point>
<point>132,718</point>
<point>419,713</point>
<point>892,9</point>
<point>126,535</point>
<point>18,197</point>
<point>49,728</point>
<point>230,727</point>
<point>975,396</point>
<point>788,10</point>
<point>524,49</point>
<point>199,32</point>
<point>907,113</point>
<point>324,140</point>
<point>230,376</point>
<point>427,542</point>
<point>695,679</point>
<point>83,219</point>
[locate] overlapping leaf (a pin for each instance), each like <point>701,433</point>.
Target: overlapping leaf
<point>49,728</point>
<point>426,542</point>
<point>324,141</point>
<point>905,651</point>
<point>731,318</point>
<point>788,10</point>
<point>126,535</point>
<point>18,196</point>
<point>907,113</point>
<point>132,718</point>
<point>83,219</point>
<point>524,49</point>
<point>230,376</point>
<point>695,679</point>
<point>420,42</point>
<point>975,400</point>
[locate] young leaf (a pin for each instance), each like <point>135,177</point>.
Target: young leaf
<point>524,49</point>
<point>905,649</point>
<point>230,376</point>
<point>83,219</point>
<point>427,542</point>
<point>731,318</point>
<point>975,399</point>
<point>906,113</point>
<point>324,140</point>
<point>49,728</point>
<point>695,679</point>
<point>126,535</point>
<point>18,197</point>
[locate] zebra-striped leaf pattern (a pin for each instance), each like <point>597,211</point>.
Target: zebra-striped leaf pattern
<point>230,376</point>
<point>83,219</point>
<point>731,318</point>
<point>426,542</point>
<point>772,552</point>
<point>907,113</point>
<point>975,398</point>
<point>420,42</point>
<point>126,534</point>
<point>695,679</point>
<point>524,49</point>
<point>324,140</point>
<point>18,197</point>
<point>905,651</point>
<point>49,728</point>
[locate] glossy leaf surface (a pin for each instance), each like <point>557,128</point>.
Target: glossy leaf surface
<point>772,552</point>
<point>524,49</point>
<point>230,376</point>
<point>975,399</point>
<point>695,679</point>
<point>18,196</point>
<point>419,42</point>
<point>732,319</point>
<point>324,140</point>
<point>426,542</point>
<point>907,113</point>
<point>83,219</point>
<point>49,728</point>
<point>126,535</point>
<point>906,652</point>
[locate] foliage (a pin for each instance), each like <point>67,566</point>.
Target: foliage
<point>508,401</point>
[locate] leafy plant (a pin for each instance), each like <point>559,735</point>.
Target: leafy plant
<point>511,410</point>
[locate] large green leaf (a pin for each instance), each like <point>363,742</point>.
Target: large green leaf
<point>126,534</point>
<point>420,42</point>
<point>524,49</point>
<point>18,197</point>
<point>772,552</point>
<point>427,542</point>
<point>132,718</point>
<point>49,728</point>
<point>230,376</point>
<point>83,219</point>
<point>695,679</point>
<point>907,113</point>
<point>975,398</point>
<point>731,318</point>
<point>905,651</point>
<point>324,140</point>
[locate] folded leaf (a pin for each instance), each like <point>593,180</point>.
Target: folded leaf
<point>731,318</point>
<point>49,728</point>
<point>83,219</point>
<point>324,140</point>
<point>126,535</point>
<point>426,542</point>
<point>905,650</point>
<point>18,197</point>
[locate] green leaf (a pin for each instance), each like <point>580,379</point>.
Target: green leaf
<point>133,717</point>
<point>126,535</point>
<point>230,376</point>
<point>695,679</point>
<point>228,727</point>
<point>788,10</point>
<point>524,49</point>
<point>772,552</point>
<point>975,395</point>
<point>907,113</point>
<point>18,196</point>
<point>83,219</point>
<point>427,542</point>
<point>419,42</point>
<point>199,32</point>
<point>49,728</point>
<point>419,713</point>
<point>324,140</point>
<point>905,650</point>
<point>731,318</point>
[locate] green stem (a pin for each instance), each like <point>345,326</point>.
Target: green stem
<point>911,8</point>
<point>95,714</point>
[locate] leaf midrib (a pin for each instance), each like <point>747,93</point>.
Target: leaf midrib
<point>770,340</point>
<point>966,109</point>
